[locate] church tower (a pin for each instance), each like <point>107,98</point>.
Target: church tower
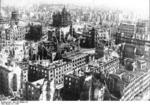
<point>15,17</point>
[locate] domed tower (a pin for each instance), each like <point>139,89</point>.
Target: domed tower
<point>15,16</point>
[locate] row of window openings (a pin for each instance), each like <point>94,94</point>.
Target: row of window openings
<point>35,68</point>
<point>61,71</point>
<point>83,58</point>
<point>57,74</point>
<point>43,72</point>
<point>79,63</point>
<point>65,68</point>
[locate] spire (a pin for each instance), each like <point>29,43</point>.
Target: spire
<point>64,10</point>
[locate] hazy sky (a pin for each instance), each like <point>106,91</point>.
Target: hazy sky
<point>136,5</point>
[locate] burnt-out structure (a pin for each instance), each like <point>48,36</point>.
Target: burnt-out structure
<point>130,51</point>
<point>33,90</point>
<point>49,45</point>
<point>62,19</point>
<point>72,87</point>
<point>53,71</point>
<point>37,72</point>
<point>127,29</point>
<point>115,85</point>
<point>42,53</point>
<point>35,32</point>
<point>88,40</point>
<point>99,51</point>
<point>77,59</point>
<point>45,50</point>
<point>121,38</point>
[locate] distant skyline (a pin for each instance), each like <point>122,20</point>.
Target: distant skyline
<point>141,6</point>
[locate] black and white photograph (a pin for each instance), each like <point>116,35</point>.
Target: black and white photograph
<point>74,50</point>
